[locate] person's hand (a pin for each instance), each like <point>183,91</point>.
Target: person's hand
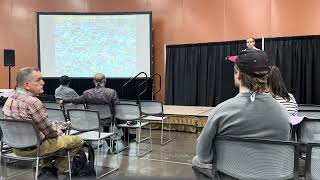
<point>57,128</point>
<point>61,102</point>
<point>59,131</point>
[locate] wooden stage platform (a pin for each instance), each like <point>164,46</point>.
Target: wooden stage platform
<point>185,118</point>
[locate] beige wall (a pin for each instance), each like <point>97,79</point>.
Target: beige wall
<point>174,22</point>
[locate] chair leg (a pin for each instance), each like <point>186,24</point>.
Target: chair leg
<point>128,142</point>
<point>117,153</point>
<point>96,159</point>
<point>139,140</point>
<point>169,129</point>
<point>170,137</point>
<point>163,142</point>
<point>69,163</point>
<point>5,168</point>
<point>33,169</point>
<point>150,136</point>
<point>112,169</point>
<point>162,131</point>
<point>37,169</point>
<point>1,167</point>
<point>111,145</point>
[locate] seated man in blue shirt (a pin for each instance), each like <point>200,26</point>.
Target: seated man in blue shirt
<point>64,91</point>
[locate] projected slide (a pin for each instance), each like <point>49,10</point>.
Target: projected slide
<point>81,45</point>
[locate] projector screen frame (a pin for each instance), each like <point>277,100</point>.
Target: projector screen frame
<point>151,49</point>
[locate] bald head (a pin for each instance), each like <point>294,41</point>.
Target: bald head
<point>99,79</point>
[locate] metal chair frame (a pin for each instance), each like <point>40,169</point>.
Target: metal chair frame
<point>308,165</point>
<point>93,134</point>
<point>302,107</point>
<point>294,145</point>
<point>149,116</point>
<point>52,105</point>
<point>137,126</point>
<point>37,158</point>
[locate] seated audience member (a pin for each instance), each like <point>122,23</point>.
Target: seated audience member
<point>64,91</point>
<point>97,95</point>
<point>279,91</point>
<point>23,104</point>
<point>252,113</point>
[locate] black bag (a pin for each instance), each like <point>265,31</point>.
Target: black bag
<point>48,173</point>
<point>81,166</point>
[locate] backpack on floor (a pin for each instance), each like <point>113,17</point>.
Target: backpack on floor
<point>81,165</point>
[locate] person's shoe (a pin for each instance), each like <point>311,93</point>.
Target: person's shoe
<point>132,136</point>
<point>63,176</point>
<point>119,147</point>
<point>48,173</point>
<point>113,151</point>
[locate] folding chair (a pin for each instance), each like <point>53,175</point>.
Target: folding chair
<point>106,116</point>
<point>87,122</point>
<point>131,112</point>
<point>56,115</point>
<point>105,112</point>
<point>5,147</point>
<point>67,106</point>
<point>308,107</point>
<point>311,114</point>
<point>52,105</point>
<point>312,162</point>
<point>309,131</point>
<point>127,101</point>
<point>22,134</point>
<point>256,158</point>
<point>153,111</point>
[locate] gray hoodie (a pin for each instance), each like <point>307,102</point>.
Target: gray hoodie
<point>241,117</point>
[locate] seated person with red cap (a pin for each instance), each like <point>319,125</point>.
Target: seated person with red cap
<point>252,113</point>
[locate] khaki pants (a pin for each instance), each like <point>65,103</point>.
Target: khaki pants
<point>51,145</point>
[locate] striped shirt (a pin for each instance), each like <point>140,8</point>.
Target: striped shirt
<point>22,105</point>
<point>291,106</point>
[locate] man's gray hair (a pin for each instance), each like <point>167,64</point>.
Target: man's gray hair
<point>24,75</point>
<point>99,79</point>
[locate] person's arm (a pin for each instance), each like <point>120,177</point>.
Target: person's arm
<point>115,97</point>
<point>74,100</point>
<point>293,100</point>
<point>40,118</point>
<point>57,93</point>
<point>204,145</point>
<point>73,93</point>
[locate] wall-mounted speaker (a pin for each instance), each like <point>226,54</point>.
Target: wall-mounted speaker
<point>9,57</point>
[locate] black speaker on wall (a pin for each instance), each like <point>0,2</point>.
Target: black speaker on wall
<point>9,57</point>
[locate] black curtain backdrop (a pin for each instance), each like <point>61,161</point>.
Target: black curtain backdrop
<point>298,58</point>
<point>82,84</point>
<point>199,75</point>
